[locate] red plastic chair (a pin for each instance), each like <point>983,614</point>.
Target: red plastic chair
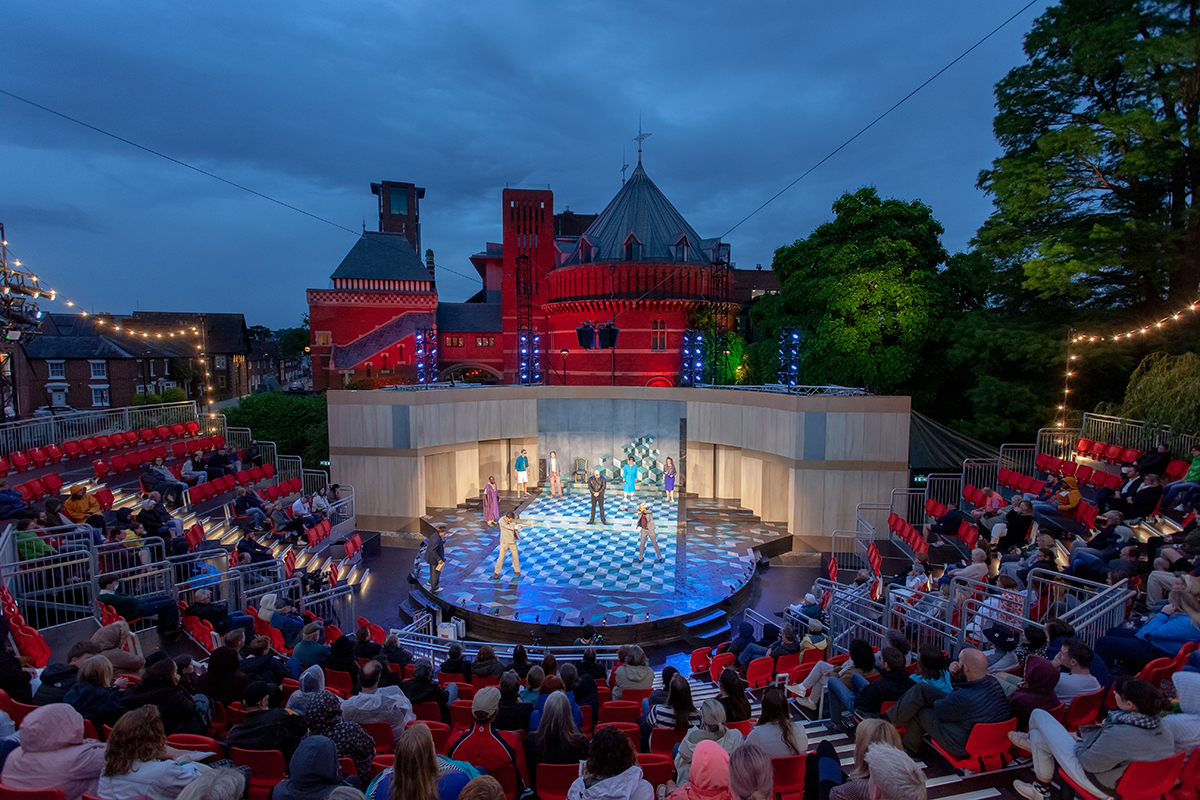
<point>620,711</point>
<point>663,740</point>
<point>657,768</point>
<point>741,726</point>
<point>338,682</point>
<point>190,741</point>
<point>1189,779</point>
<point>461,718</point>
<point>1084,709</point>
<point>346,765</point>
<point>719,663</point>
<point>987,747</point>
<point>760,672</point>
<point>1142,780</point>
<point>1081,446</point>
<point>554,780</point>
<point>192,428</point>
<point>381,732</point>
<point>266,769</point>
<point>785,664</point>
<point>428,711</point>
<point>636,695</point>
<point>105,498</point>
<point>788,777</point>
<point>35,794</point>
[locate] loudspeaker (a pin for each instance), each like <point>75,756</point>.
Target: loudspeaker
<point>587,336</point>
<point>608,337</point>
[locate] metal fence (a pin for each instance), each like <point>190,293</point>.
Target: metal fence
<point>945,487</point>
<point>1134,433</point>
<point>909,505</point>
<point>52,590</point>
<point>1057,442</point>
<point>212,425</point>
<point>1054,594</point>
<point>980,472</point>
<point>41,431</point>
<point>850,549</point>
<point>872,519</point>
<point>289,467</point>
<point>341,515</point>
<point>852,614</point>
<point>313,479</point>
<point>333,605</point>
<point>155,581</point>
<point>1092,617</point>
<point>1019,458</point>
<point>924,618</point>
<point>981,606</point>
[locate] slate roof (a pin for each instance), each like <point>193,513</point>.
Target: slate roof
<point>470,318</point>
<point>382,256</point>
<point>224,333</point>
<point>642,209</point>
<point>73,336</point>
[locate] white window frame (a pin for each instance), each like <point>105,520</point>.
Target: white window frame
<point>108,398</point>
<point>103,365</point>
<point>60,363</point>
<point>152,375</point>
<point>219,362</point>
<point>324,338</point>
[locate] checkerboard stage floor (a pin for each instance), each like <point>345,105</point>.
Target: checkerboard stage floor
<point>590,572</point>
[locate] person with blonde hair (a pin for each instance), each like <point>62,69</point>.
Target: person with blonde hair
<point>894,776</point>
<point>750,773</point>
<point>711,728</point>
<point>216,784</point>
<point>138,763</point>
<point>869,732</point>
<point>94,695</point>
<point>423,774</point>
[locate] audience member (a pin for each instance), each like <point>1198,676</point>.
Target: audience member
<point>711,728</point>
<point>266,728</point>
<point>932,668</point>
<point>861,662</point>
<point>1074,661</point>
<point>312,683</point>
<point>611,771</point>
<point>533,685</point>
<point>633,674</point>
<point>514,714</point>
<point>160,687</point>
<point>54,755</point>
<point>378,704</point>
<point>221,783</point>
<point>94,696</point>
<point>309,651</point>
<point>418,773</point>
<point>870,732</point>
<point>324,718</point>
<point>161,605</point>
<point>750,773</point>
<point>397,655</point>
<point>218,614</point>
<point>313,771</point>
<point>520,663</point>
<point>485,746</point>
<point>161,480</point>
<point>80,506</point>
<point>341,658</point>
<point>110,640</point>
<point>456,664</point>
<point>659,696</point>
<point>1061,504</point>
<point>1161,637</point>
<point>421,688</point>
<point>57,679</point>
<point>557,739</point>
<point>709,774</point>
<point>485,787</point>
<point>867,697</point>
<point>262,664</point>
<point>222,682</point>
<point>945,526</point>
<point>1184,727</point>
<point>486,665</point>
<point>138,763</point>
<point>775,731</point>
<point>363,646</point>
<point>894,776</point>
<point>1036,690</point>
<point>676,713</point>
<point>550,685</point>
<point>249,505</point>
<point>815,639</point>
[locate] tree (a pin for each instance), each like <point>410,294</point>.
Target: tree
<point>865,290</point>
<point>174,394</point>
<point>292,341</point>
<point>1096,188</point>
<point>297,424</point>
<point>259,332</point>
<point>1163,390</point>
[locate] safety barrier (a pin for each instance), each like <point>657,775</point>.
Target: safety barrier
<point>852,614</point>
<point>1057,442</point>
<point>41,431</point>
<point>335,604</point>
<point>1134,433</point>
<point>1108,608</point>
<point>289,467</point>
<point>312,480</point>
<point>52,590</point>
<point>980,606</point>
<point>238,439</point>
<point>980,472</point>
<point>146,583</point>
<point>1054,594</point>
<point>1019,458</point>
<point>909,505</point>
<point>945,487</point>
<point>341,514</point>
<point>872,518</point>
<point>850,549</point>
<point>925,618</point>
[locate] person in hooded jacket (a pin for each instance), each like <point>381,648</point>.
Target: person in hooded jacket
<point>363,646</point>
<point>709,776</point>
<point>1062,504</point>
<point>394,653</point>
<point>111,641</point>
<point>611,771</point>
<point>312,683</point>
<point>745,637</point>
<point>324,718</point>
<point>1036,691</point>
<point>1185,726</point>
<point>314,771</point>
<point>341,658</point>
<point>54,755</point>
<point>160,687</point>
<point>57,679</point>
<point>266,728</point>
<point>486,665</point>
<point>94,696</point>
<point>223,682</point>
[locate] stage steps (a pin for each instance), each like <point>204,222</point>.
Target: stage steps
<point>706,628</point>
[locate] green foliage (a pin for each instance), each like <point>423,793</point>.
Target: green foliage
<point>297,424</point>
<point>762,363</point>
<point>1164,390</point>
<point>174,395</point>
<point>146,400</point>
<point>866,291</point>
<point>1094,191</point>
<point>292,341</point>
<point>259,332</point>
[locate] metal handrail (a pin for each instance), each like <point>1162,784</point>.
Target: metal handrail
<point>41,431</point>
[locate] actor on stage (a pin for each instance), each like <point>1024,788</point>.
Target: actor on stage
<point>522,468</point>
<point>669,480</point>
<point>510,534</point>
<point>646,530</point>
<point>629,473</point>
<point>596,485</point>
<point>435,556</point>
<point>491,502</point>
<point>552,473</point>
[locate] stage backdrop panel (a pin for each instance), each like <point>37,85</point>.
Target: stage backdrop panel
<point>592,427</point>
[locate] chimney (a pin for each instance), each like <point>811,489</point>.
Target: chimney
<point>429,264</point>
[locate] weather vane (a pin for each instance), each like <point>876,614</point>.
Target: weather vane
<point>641,137</point>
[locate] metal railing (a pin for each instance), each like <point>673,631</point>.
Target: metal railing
<point>1054,594</point>
<point>850,549</point>
<point>341,515</point>
<point>289,467</point>
<point>1093,617</point>
<point>142,582</point>
<point>333,605</point>
<point>871,518</point>
<point>52,590</point>
<point>1134,433</point>
<point>945,487</point>
<point>982,605</point>
<point>852,614</point>
<point>1057,442</point>
<point>980,472</point>
<point>41,431</point>
<point>1019,458</point>
<point>212,424</point>
<point>924,618</point>
<point>312,479</point>
<point>909,505</point>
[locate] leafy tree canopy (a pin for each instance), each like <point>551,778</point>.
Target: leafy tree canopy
<point>1096,188</point>
<point>292,341</point>
<point>1163,390</point>
<point>297,424</point>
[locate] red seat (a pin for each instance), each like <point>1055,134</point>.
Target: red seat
<point>657,768</point>
<point>338,682</point>
<point>381,732</point>
<point>461,718</point>
<point>554,780</point>
<point>760,672</point>
<point>427,711</point>
<point>268,470</point>
<point>743,726</point>
<point>190,741</point>
<point>620,711</point>
<point>987,747</point>
<point>1082,473</point>
<point>1189,779</point>
<point>630,729</point>
<point>266,769</point>
<point>19,711</point>
<point>147,435</point>
<point>101,467</point>
<point>788,777</point>
<point>1142,780</point>
<point>159,451</point>
<point>1081,446</point>
<point>1112,481</point>
<point>1130,454</point>
<point>54,453</point>
<point>192,428</point>
<point>243,478</point>
<point>1112,453</point>
<point>72,449</point>
<point>1097,448</point>
<point>346,765</point>
<point>719,662</point>
<point>178,431</point>
<point>31,794</point>
<point>663,740</point>
<point>1176,469</point>
<point>700,660</point>
<point>38,456</point>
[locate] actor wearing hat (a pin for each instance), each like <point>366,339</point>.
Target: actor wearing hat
<point>266,728</point>
<point>485,746</point>
<point>645,524</point>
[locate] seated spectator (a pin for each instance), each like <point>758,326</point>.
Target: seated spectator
<point>917,580</point>
<point>1000,609</point>
<point>1036,690</point>
<point>862,662</point>
<point>282,524</point>
<point>320,503</point>
<point>395,654</point>
<point>1074,661</point>
<point>486,747</point>
<point>455,664</point>
<point>218,614</point>
<point>378,704</point>
<point>732,695</point>
<point>1174,626</point>
<point>220,463</point>
<point>486,664</point>
<point>192,473</point>
<point>138,762</point>
<point>1184,727</point>
<point>110,641</point>
<point>262,664</point>
<point>1154,460</point>
<point>30,544</point>
<point>708,776</point>
<point>520,663</point>
<point>1062,504</point>
<point>711,728</point>
<point>341,658</point>
<point>266,728</point>
<point>223,681</point>
<point>158,478</point>
<point>815,639</point>
<point>422,688</point>
<point>161,605</point>
<point>220,783</point>
<point>513,714</point>
<point>867,697</point>
<point>750,774</point>
<point>1050,487</point>
<point>363,646</point>
<point>160,687</point>
<point>12,505</point>
<point>283,617</point>
<point>932,668</point>
<point>589,637</point>
<point>611,771</point>
<point>1108,498</point>
<point>550,685</point>
<point>80,505</point>
<point>829,778</point>
<point>1176,492</point>
<point>302,510</point>
<point>785,646</point>
<point>583,688</point>
<point>1011,653</point>
<point>948,718</point>
<point>991,508</point>
<point>677,712</point>
<point>156,520</point>
<point>324,718</point>
<point>248,504</point>
<point>894,776</point>
<point>945,526</point>
<point>57,679</point>
<point>660,695</point>
<point>1143,502</point>
<point>1097,759</point>
<point>312,683</point>
<point>533,685</point>
<point>633,674</point>
<point>1017,527</point>
<point>1019,565</point>
<point>95,695</point>
<point>313,771</point>
<point>744,638</point>
<point>419,772</point>
<point>1104,546</point>
<point>776,733</point>
<point>557,739</point>
<point>54,755</point>
<point>976,570</point>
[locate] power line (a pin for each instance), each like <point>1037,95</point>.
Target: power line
<point>873,122</point>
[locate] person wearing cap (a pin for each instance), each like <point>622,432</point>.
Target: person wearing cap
<point>510,534</point>
<point>596,486</point>
<point>485,746</point>
<point>521,466</point>
<point>266,728</point>
<point>645,524</point>
<point>309,651</point>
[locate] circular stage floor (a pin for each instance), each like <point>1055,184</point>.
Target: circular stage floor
<point>590,573</point>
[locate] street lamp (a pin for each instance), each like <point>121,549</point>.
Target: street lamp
<point>564,353</point>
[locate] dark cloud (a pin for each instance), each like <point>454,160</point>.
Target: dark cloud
<point>311,102</point>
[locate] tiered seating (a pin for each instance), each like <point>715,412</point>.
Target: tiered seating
<point>911,536</point>
<point>227,483</point>
<point>320,532</point>
<point>38,488</point>
<point>36,457</point>
<point>28,641</point>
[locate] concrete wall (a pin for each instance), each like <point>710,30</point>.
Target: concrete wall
<point>802,461</point>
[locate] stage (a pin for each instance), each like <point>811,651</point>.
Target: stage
<point>574,573</point>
